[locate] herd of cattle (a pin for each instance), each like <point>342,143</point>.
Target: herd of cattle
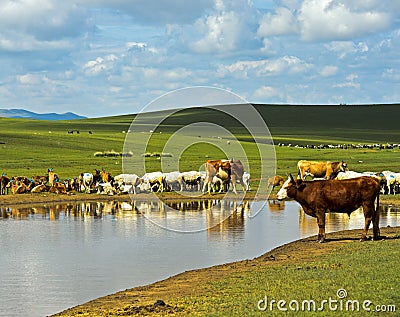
<point>218,176</point>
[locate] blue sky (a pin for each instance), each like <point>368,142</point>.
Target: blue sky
<point>110,57</point>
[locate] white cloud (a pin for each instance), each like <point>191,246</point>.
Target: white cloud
<point>350,83</point>
<point>281,23</point>
<point>344,48</point>
<point>336,20</point>
<point>268,67</point>
<point>266,92</point>
<point>46,20</point>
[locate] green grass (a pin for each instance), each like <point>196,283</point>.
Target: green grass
<point>363,276</point>
<point>31,147</point>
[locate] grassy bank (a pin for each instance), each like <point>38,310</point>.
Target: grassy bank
<point>302,270</point>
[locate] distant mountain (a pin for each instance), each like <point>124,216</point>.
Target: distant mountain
<point>25,114</point>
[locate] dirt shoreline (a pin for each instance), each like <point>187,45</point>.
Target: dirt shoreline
<point>191,282</point>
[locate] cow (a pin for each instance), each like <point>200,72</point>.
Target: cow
<point>86,181</point>
<point>40,188</point>
<point>58,188</point>
<point>275,181</point>
<point>128,180</point>
<point>191,178</point>
<point>353,174</point>
<point>40,179</point>
<point>343,196</point>
<point>4,181</point>
<point>391,180</point>
<point>174,180</point>
<point>220,168</point>
<point>327,170</point>
<point>106,176</point>
<point>226,170</point>
<point>246,180</point>
<point>154,180</point>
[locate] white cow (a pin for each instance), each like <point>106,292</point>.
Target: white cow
<point>155,179</point>
<point>391,180</point>
<point>192,178</point>
<point>106,189</point>
<point>85,181</point>
<point>246,180</point>
<point>174,178</point>
<point>131,180</point>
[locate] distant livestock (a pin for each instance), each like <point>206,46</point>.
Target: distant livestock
<point>275,181</point>
<point>343,196</point>
<point>327,170</point>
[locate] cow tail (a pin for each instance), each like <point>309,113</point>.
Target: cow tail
<point>376,216</point>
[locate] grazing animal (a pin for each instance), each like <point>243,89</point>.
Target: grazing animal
<point>128,180</point>
<point>226,170</point>
<point>174,180</point>
<point>191,178</point>
<point>106,176</point>
<point>58,188</point>
<point>327,170</point>
<point>275,181</point>
<point>4,181</point>
<point>86,181</point>
<point>246,180</point>
<point>40,188</point>
<point>40,179</point>
<point>96,177</point>
<point>106,189</point>
<point>155,180</point>
<point>343,196</point>
<point>391,180</point>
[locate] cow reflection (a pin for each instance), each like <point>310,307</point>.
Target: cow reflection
<point>227,220</point>
<point>276,205</point>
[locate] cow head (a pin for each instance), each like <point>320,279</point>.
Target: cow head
<point>343,167</point>
<point>289,188</point>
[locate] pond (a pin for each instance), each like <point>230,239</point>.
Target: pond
<point>57,256</point>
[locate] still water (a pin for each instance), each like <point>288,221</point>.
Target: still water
<point>57,256</point>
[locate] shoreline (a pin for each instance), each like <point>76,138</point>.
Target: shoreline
<point>189,283</point>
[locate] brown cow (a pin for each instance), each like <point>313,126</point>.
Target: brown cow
<point>275,181</point>
<point>327,170</point>
<point>58,188</point>
<point>225,170</point>
<point>4,181</point>
<point>343,196</point>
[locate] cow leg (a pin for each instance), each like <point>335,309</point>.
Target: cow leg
<point>368,213</point>
<point>321,226</point>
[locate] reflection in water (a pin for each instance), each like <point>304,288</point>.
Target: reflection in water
<point>103,247</point>
<point>389,216</point>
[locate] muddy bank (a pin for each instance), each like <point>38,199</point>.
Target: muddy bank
<point>153,299</point>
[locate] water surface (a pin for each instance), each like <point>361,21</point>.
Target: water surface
<point>57,256</point>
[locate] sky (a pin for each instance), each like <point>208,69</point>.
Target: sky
<point>110,57</point>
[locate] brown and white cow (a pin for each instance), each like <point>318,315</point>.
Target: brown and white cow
<point>275,181</point>
<point>327,170</point>
<point>342,196</point>
<point>226,170</point>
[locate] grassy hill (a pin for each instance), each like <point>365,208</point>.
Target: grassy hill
<point>29,147</point>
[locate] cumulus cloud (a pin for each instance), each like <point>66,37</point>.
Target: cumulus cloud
<point>328,71</point>
<point>281,23</point>
<point>44,19</point>
<point>337,20</point>
<point>229,26</point>
<point>266,92</point>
